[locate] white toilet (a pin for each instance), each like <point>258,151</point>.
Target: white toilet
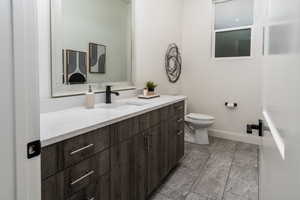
<point>197,128</point>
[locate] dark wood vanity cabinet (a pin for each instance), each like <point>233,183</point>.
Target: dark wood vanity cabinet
<point>124,161</point>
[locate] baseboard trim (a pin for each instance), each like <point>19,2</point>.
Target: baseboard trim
<point>240,137</point>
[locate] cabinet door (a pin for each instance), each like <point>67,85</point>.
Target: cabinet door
<point>163,150</point>
<point>53,188</point>
<point>153,171</point>
<point>172,144</point>
<point>50,160</point>
<point>103,186</point>
<point>139,167</point>
<point>179,141</point>
<point>89,193</point>
<point>122,171</point>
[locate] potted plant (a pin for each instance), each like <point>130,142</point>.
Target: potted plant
<point>150,85</point>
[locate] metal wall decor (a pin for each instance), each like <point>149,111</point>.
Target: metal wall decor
<point>173,63</point>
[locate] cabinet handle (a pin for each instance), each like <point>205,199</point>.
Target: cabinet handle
<point>93,198</point>
<point>179,132</point>
<point>83,177</point>
<point>180,120</point>
<point>81,149</point>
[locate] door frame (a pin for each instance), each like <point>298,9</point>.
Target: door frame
<point>26,97</point>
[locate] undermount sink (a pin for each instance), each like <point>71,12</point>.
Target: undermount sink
<point>123,105</point>
<point>115,106</point>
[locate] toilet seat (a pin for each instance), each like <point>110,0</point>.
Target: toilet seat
<point>202,117</point>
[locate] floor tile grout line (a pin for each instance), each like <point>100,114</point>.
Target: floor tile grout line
<point>194,182</point>
<point>228,174</point>
<point>200,169</point>
<point>206,161</point>
<point>199,174</point>
<point>211,152</point>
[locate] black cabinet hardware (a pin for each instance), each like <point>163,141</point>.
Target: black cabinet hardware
<point>33,149</point>
<point>260,127</point>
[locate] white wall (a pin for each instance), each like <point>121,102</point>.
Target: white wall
<point>157,24</point>
<point>7,172</point>
<point>208,83</point>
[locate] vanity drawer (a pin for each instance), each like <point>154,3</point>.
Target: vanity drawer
<point>127,128</point>
<point>144,121</point>
<point>163,112</point>
<point>154,117</point>
<point>123,130</point>
<point>179,118</point>
<point>50,160</point>
<point>179,108</point>
<point>53,187</point>
<point>82,147</point>
<point>88,193</point>
<point>176,110</point>
<point>80,176</point>
<point>80,180</point>
<point>148,120</point>
<point>87,172</point>
<point>98,191</point>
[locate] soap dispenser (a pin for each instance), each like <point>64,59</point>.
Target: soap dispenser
<point>90,98</point>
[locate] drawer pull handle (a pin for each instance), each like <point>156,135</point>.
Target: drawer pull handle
<point>93,198</point>
<point>179,132</point>
<point>83,177</point>
<point>81,149</point>
<point>180,120</point>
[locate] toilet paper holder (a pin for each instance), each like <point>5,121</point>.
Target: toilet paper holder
<point>231,105</point>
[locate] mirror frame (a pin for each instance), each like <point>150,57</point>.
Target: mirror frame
<point>62,90</point>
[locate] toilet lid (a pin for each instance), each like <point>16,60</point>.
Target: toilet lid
<point>198,116</point>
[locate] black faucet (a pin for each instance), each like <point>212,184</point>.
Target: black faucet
<point>108,93</point>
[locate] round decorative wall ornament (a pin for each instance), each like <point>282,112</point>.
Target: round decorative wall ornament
<point>173,63</point>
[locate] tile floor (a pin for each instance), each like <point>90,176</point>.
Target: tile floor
<point>223,170</point>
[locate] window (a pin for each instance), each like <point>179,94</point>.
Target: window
<point>233,28</point>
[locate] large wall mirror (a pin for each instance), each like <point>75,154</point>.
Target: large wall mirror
<point>91,44</point>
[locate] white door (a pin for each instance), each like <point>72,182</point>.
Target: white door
<point>280,152</point>
<point>19,103</point>
<point>7,156</point>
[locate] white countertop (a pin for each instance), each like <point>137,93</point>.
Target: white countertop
<point>61,125</point>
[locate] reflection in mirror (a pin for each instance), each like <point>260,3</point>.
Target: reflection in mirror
<point>91,45</point>
<point>75,70</point>
<point>97,55</point>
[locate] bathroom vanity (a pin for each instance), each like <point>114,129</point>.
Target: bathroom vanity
<point>125,155</point>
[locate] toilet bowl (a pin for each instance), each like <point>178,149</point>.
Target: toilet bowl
<point>197,128</point>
